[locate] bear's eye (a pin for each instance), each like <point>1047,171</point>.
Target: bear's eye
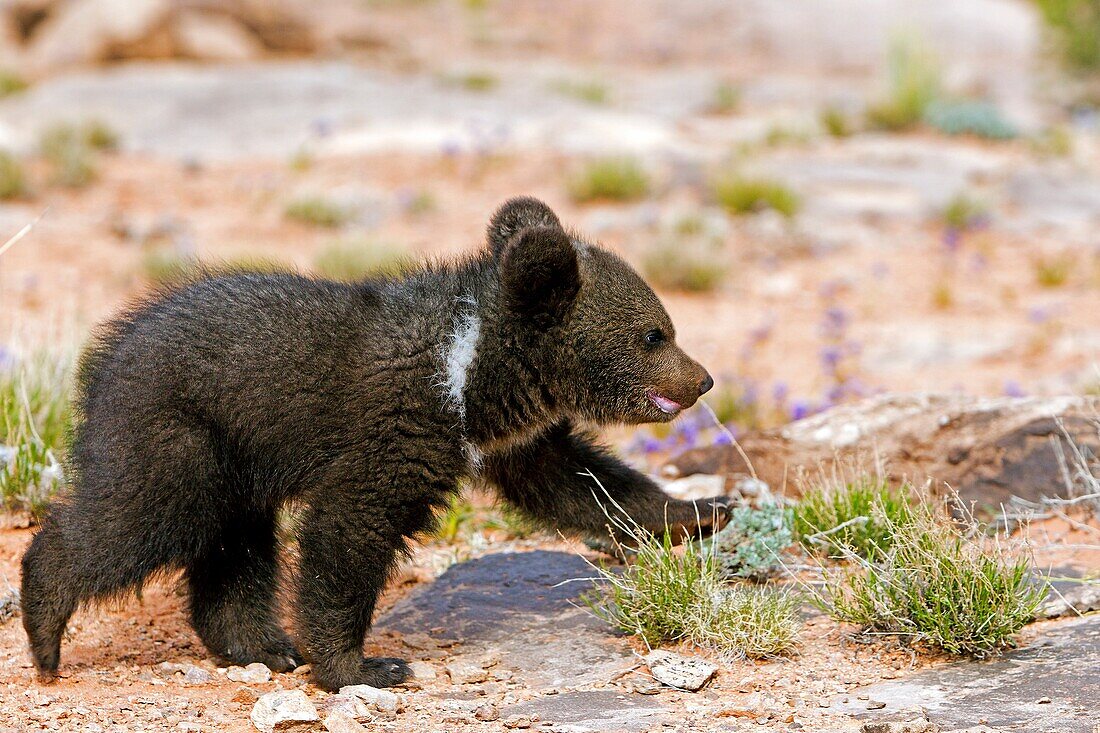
<point>654,337</point>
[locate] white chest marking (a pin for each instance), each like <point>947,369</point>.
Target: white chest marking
<point>459,356</point>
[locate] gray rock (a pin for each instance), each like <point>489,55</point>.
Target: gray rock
<point>1004,692</point>
<point>518,609</point>
<point>675,670</point>
<point>197,676</point>
<point>286,710</point>
<point>595,711</point>
<point>423,671</point>
<point>922,726</point>
<point>1072,602</point>
<point>253,673</point>
<point>9,604</point>
<point>348,705</point>
<point>465,672</point>
<point>383,700</point>
<point>338,722</point>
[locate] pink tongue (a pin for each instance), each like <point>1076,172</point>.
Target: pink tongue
<point>665,404</point>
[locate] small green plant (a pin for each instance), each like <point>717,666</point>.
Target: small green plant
<point>943,295</point>
<point>356,260</point>
<point>318,211</point>
<point>462,519</point>
<point>914,85</point>
<point>935,586</point>
<point>37,389</point>
<point>1053,271</point>
<point>162,265</point>
<point>475,81</point>
<point>857,517</point>
<point>779,135</point>
<point>968,117</point>
<point>694,264</point>
<point>1075,27</point>
<point>835,122</point>
<point>11,83</point>
<point>740,195</point>
<point>70,156</point>
<point>34,405</point>
<point>614,179</point>
<point>591,92</point>
<point>1056,141</point>
<point>13,180</point>
<point>732,404</point>
<point>750,543</point>
<point>963,212</point>
<point>725,99</point>
<point>670,595</point>
<point>422,202</point>
<point>98,135</point>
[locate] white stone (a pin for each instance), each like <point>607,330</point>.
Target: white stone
<point>383,700</point>
<point>338,722</point>
<point>423,671</point>
<point>215,37</point>
<point>695,486</point>
<point>286,710</point>
<point>255,672</point>
<point>675,670</point>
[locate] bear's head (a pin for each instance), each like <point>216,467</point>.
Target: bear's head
<point>609,351</point>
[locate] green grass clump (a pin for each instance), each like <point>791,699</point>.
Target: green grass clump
<point>67,150</point>
<point>475,81</point>
<point>13,180</point>
<point>355,260</point>
<point>963,212</point>
<point>725,99</point>
<point>98,135</point>
<point>935,586</point>
<point>1075,27</point>
<point>613,179</point>
<point>165,264</point>
<point>11,83</point>
<point>856,517</point>
<point>462,519</point>
<point>670,594</point>
<point>36,414</point>
<point>590,92</point>
<point>1053,271</point>
<point>318,211</point>
<point>694,265</point>
<point>37,389</point>
<point>750,543</point>
<point>835,122</point>
<point>739,195</point>
<point>914,84</point>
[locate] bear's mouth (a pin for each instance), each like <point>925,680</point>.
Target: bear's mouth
<point>664,404</point>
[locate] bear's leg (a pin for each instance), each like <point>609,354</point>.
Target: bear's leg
<point>347,553</point>
<point>546,480</point>
<point>233,596</point>
<point>49,596</point>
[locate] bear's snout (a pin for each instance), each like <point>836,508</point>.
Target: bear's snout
<point>706,385</point>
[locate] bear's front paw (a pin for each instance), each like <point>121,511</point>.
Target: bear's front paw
<point>373,671</point>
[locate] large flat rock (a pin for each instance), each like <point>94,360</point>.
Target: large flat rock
<point>523,607</point>
<point>1052,686</point>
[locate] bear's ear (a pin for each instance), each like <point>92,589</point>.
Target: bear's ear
<point>515,214</point>
<point>540,275</point>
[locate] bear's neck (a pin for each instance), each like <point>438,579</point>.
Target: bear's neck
<point>493,375</point>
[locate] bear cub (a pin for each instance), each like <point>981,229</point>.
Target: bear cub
<point>208,406</point>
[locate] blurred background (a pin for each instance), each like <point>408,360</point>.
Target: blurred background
<point>834,198</point>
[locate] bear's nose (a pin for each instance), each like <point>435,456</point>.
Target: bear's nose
<point>705,385</point>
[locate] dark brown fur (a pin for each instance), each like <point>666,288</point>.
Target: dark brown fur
<point>209,406</point>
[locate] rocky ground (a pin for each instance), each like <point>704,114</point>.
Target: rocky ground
<point>419,118</point>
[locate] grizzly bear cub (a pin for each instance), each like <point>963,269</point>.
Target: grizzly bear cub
<point>208,406</point>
